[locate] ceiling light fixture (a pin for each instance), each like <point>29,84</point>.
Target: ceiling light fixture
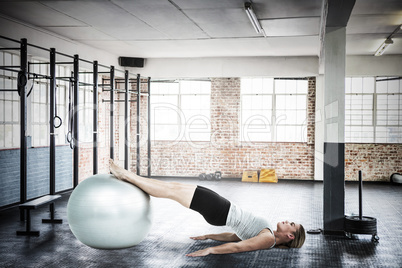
<point>383,47</point>
<point>253,18</point>
<point>387,42</point>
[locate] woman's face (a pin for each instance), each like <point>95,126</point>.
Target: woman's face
<point>287,227</point>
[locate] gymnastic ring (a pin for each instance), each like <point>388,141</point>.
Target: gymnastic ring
<point>61,121</point>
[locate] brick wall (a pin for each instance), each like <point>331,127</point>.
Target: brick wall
<point>225,153</point>
<point>377,161</point>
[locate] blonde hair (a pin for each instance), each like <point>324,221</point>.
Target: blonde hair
<point>298,241</point>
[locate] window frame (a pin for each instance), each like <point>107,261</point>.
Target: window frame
<point>182,120</point>
<point>374,125</point>
<point>274,112</point>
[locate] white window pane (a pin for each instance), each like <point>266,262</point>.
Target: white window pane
<point>382,86</point>
<point>257,103</point>
<point>357,85</point>
<point>393,86</point>
<point>167,132</point>
<point>368,84</point>
<point>16,136</point>
<point>301,102</point>
<point>190,102</point>
<point>393,102</point>
<point>291,86</point>
<point>2,137</point>
<point>246,86</point>
<point>247,103</point>
<point>400,102</point>
<point>43,135</point>
<point>291,117</point>
<point>2,111</point>
<point>7,62</point>
<point>268,85</point>
<point>8,135</point>
<point>280,86</point>
<point>257,85</point>
<point>43,93</point>
<point>291,102</point>
<point>280,101</point>
<point>164,116</point>
<point>42,113</point>
<point>8,111</point>
<point>302,86</point>
<point>16,111</point>
<point>301,118</point>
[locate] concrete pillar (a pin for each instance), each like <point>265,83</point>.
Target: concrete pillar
<point>334,129</point>
<point>319,129</point>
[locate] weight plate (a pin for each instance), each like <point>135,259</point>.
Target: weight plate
<point>365,225</point>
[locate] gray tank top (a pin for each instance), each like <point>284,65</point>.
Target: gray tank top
<point>245,224</point>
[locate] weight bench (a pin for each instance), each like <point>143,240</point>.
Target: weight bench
<point>33,205</point>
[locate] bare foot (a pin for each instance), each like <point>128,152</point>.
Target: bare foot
<point>117,171</point>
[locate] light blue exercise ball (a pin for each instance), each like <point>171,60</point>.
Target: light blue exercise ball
<point>104,212</point>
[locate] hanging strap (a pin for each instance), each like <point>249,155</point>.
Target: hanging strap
<point>55,111</point>
<point>69,135</point>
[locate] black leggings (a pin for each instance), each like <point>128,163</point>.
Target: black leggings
<point>213,207</point>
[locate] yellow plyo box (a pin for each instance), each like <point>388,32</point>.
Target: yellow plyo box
<point>268,175</point>
<point>250,176</point>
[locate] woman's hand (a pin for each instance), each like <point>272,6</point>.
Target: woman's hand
<point>200,253</point>
<point>201,237</point>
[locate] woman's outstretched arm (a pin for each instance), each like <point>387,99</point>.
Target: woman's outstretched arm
<point>224,237</point>
<point>261,241</point>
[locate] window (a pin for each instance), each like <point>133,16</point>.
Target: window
<point>39,115</point>
<point>62,99</point>
<point>9,103</point>
<point>359,107</point>
<point>273,110</point>
<point>85,109</point>
<point>373,110</point>
<point>181,110</point>
<point>388,110</point>
<point>38,104</point>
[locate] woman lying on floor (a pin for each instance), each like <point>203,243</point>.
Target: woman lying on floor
<point>251,232</point>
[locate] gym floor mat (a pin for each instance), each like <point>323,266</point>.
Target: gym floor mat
<point>168,241</point>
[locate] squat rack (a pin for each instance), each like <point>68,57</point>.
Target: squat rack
<point>113,84</point>
<point>24,75</point>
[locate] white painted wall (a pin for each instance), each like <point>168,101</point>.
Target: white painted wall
<point>229,67</point>
<point>386,65</point>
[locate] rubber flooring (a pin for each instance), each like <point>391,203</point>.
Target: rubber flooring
<point>168,240</point>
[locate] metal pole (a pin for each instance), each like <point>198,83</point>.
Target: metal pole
<point>95,118</point>
<point>360,195</point>
<point>126,122</point>
<point>138,122</point>
<point>149,126</point>
<point>52,145</point>
<point>111,112</point>
<point>75,121</point>
<point>22,80</point>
